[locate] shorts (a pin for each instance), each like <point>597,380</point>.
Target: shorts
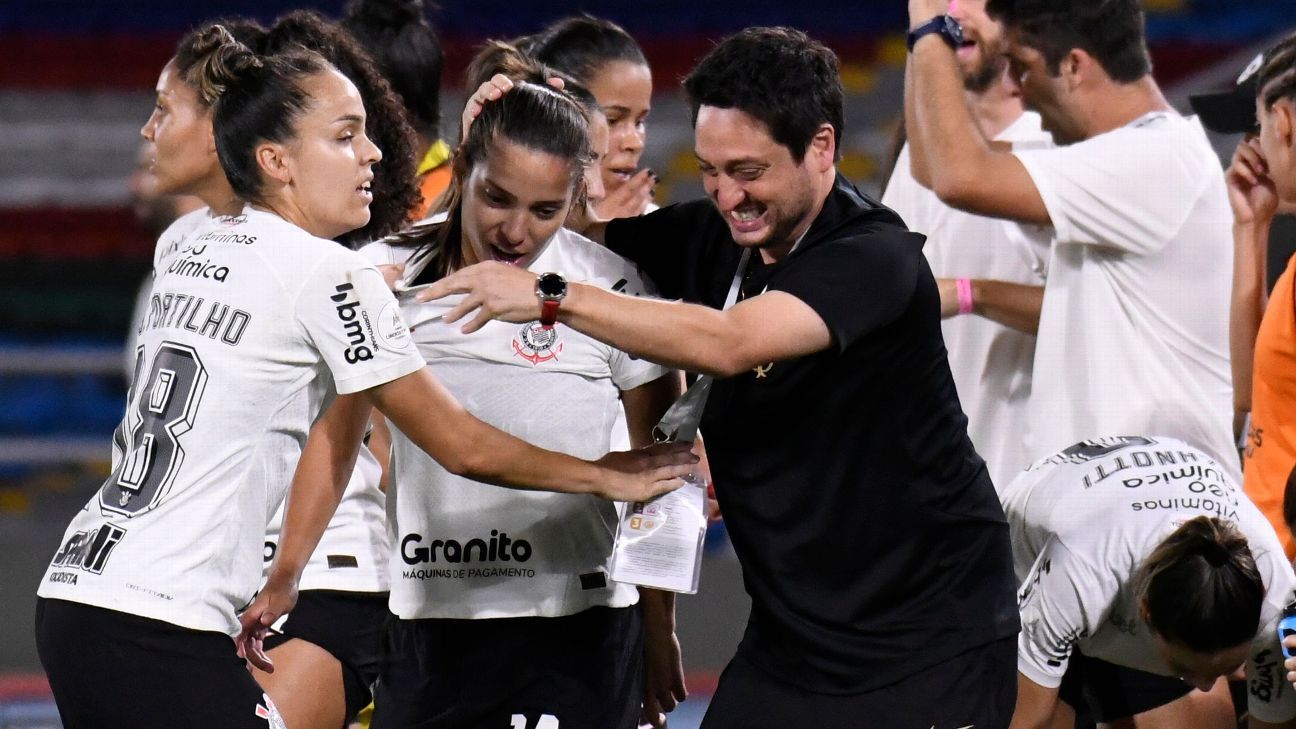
<point>110,669</point>
<point>1105,692</point>
<point>582,671</point>
<point>977,688</point>
<point>351,626</point>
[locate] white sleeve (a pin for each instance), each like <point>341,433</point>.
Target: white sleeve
<point>629,372</point>
<point>903,193</point>
<point>1130,189</point>
<point>1269,697</point>
<point>1061,600</point>
<point>355,323</point>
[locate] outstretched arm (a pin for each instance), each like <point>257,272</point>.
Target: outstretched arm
<point>430,416</point>
<point>771,327</point>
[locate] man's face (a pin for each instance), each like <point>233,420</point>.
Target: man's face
<point>981,56</point>
<point>1042,91</point>
<point>765,195</point>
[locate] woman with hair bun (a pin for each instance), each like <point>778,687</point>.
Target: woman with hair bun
<point>405,46</point>
<point>531,631</point>
<point>333,641</point>
<point>602,57</point>
<point>259,321</point>
<point>1146,576</point>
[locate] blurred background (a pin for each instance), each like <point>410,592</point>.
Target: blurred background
<point>76,85</point>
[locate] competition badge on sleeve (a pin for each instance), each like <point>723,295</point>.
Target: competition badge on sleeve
<point>659,542</point>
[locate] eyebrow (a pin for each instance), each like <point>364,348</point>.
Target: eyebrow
<point>356,118</point>
<point>504,191</point>
<point>734,162</point>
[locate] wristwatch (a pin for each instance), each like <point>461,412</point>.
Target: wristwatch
<point>551,289</point>
<point>946,25</point>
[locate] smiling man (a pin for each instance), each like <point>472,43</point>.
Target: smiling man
<point>870,537</point>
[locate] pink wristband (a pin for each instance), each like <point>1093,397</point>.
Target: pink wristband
<point>964,288</point>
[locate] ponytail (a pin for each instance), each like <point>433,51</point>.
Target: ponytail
<point>1200,587</point>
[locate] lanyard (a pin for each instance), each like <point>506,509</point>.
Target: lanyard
<point>681,420</point>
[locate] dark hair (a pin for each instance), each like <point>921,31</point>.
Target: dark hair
<point>507,58</point>
<point>190,56</point>
<point>1109,30</point>
<point>261,97</point>
<point>780,76</point>
<point>398,35</point>
<point>533,115</point>
<point>1201,587</point>
<point>1277,77</point>
<point>395,187</point>
<point>580,45</point>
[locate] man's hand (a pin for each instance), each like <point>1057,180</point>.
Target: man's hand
<point>630,199</point>
<point>643,474</point>
<point>1252,194</point>
<point>274,601</point>
<point>494,290</point>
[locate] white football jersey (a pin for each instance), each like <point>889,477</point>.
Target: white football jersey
<point>463,549</point>
<point>253,326</point>
<point>1085,519</point>
<point>352,553</point>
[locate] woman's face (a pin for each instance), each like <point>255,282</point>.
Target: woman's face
<point>624,91</point>
<point>594,188</point>
<point>324,171</point>
<point>514,200</point>
<point>180,129</point>
<point>1200,670</point>
<point>1277,132</point>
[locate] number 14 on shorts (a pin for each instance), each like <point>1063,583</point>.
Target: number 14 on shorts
<point>546,721</point>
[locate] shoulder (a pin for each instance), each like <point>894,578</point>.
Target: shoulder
<point>178,230</point>
<point>584,260</point>
<point>382,252</point>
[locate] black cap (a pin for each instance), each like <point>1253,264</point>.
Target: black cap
<point>1231,111</point>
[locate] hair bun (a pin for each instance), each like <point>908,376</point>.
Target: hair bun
<point>224,60</point>
<point>393,13</point>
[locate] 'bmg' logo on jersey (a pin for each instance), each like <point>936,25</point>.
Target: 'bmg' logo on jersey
<point>89,551</point>
<point>359,351</point>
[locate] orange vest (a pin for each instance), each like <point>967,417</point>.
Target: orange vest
<point>1271,443</point>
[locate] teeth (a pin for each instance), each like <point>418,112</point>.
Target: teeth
<point>745,215</point>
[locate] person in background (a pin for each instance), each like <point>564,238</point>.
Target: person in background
<point>603,58</point>
<point>1262,178</point>
<point>1135,196</point>
<point>990,271</point>
<point>154,212</point>
<point>402,41</point>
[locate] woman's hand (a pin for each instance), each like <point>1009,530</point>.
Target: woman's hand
<point>1252,194</point>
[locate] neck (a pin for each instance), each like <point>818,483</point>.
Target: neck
<point>1120,104</point>
<point>996,108</point>
<point>220,197</point>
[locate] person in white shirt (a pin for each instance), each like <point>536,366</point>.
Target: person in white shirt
<point>504,592</point>
<point>1142,553</point>
<point>333,642</point>
<point>257,321</point>
<point>989,267</point>
<point>1136,198</point>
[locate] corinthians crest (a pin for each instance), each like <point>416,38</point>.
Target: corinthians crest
<point>537,343</point>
